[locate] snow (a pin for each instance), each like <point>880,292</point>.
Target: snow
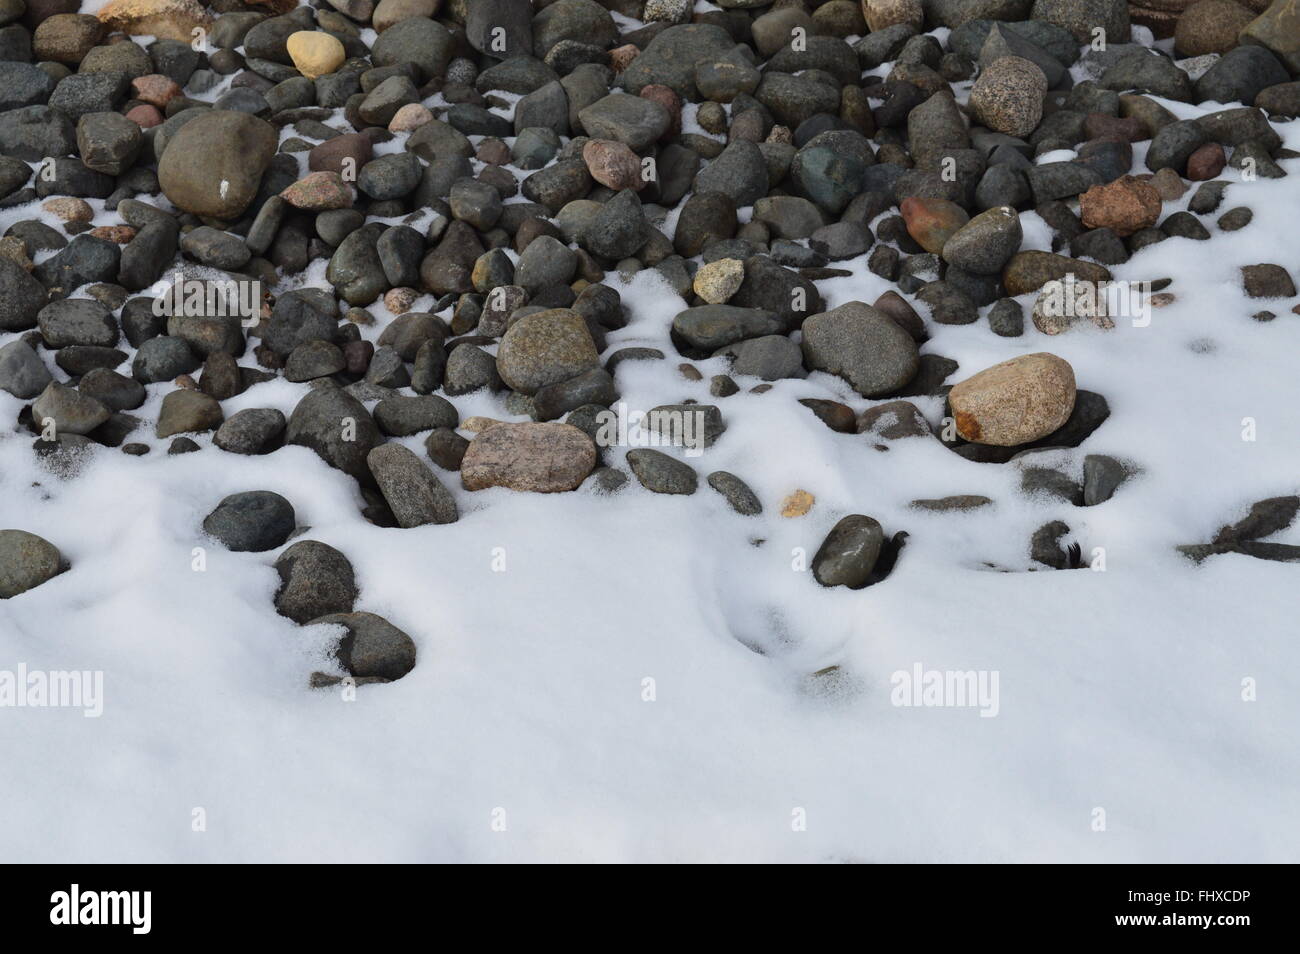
<point>1120,690</point>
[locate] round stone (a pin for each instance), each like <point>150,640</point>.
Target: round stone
<point>1015,402</point>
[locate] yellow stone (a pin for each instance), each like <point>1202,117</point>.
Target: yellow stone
<point>476,424</point>
<point>315,53</point>
<point>797,504</point>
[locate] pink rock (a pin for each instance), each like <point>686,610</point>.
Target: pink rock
<point>613,164</point>
<point>319,192</point>
<point>145,116</point>
<point>411,116</point>
<point>542,458</point>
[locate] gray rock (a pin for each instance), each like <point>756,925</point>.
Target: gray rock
<point>83,93</point>
<point>402,416</point>
<point>315,580</point>
<point>1265,518</point>
<point>469,368</point>
<point>1240,75</point>
<point>794,99</point>
<point>849,553</point>
<point>1173,145</point>
<point>187,411</point>
<point>862,345</point>
<point>1045,547</point>
<point>216,248</point>
<point>71,411</point>
<point>254,430</point>
<point>742,500</point>
<point>1050,482</point>
<point>253,521</point>
<point>373,648</point>
<point>1101,476</point>
<point>415,496</point>
<point>23,84</point>
<point>34,132</point>
<point>1146,71</point>
<point>1007,318</point>
<point>26,561</point>
<point>422,42</point>
<point>660,473</point>
<point>986,243</point>
<point>619,228</point>
<point>671,57</point>
<point>544,108</point>
<point>108,142</point>
<point>593,388</point>
<point>337,427</point>
<point>739,171</point>
<point>637,122</point>
<point>769,357</point>
<point>313,359</point>
<point>163,359</point>
<point>21,297</point>
<point>22,372</point>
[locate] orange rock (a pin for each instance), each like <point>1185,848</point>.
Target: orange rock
<point>117,234</point>
<point>621,57</point>
<point>155,89</point>
<point>1125,206</point>
<point>932,221</point>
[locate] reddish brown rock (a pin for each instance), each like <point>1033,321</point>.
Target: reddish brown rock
<point>319,192</point>
<point>1115,128</point>
<point>350,151</point>
<point>932,221</point>
<point>494,152</point>
<point>1206,162</point>
<point>117,234</point>
<point>155,89</point>
<point>145,116</point>
<point>613,164</point>
<point>1125,206</point>
<point>536,457</point>
<point>670,101</point>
